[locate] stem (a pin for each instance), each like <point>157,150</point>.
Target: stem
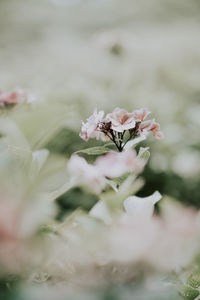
<point>130,137</point>
<point>113,140</point>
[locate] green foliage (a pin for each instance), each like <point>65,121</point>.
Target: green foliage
<point>188,292</point>
<point>194,281</point>
<point>95,150</point>
<point>73,199</point>
<point>144,153</point>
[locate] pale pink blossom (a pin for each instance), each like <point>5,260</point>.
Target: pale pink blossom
<point>150,125</point>
<point>156,130</point>
<point>141,114</point>
<point>86,174</point>
<point>115,164</point>
<point>90,128</point>
<point>121,120</point>
<point>14,97</point>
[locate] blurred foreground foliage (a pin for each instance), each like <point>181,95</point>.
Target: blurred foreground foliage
<point>186,190</point>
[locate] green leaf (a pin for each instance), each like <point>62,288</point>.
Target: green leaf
<point>121,179</point>
<point>113,184</point>
<point>95,150</point>
<point>194,281</point>
<point>38,160</point>
<point>188,293</point>
<point>109,145</point>
<point>144,153</point>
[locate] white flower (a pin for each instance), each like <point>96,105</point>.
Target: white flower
<point>141,207</point>
<point>101,212</point>
<point>90,128</point>
<point>121,120</point>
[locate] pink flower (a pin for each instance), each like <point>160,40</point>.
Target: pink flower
<point>150,125</point>
<point>141,114</point>
<point>116,164</point>
<point>14,97</point>
<point>121,120</point>
<point>86,174</point>
<point>156,130</point>
<point>90,128</point>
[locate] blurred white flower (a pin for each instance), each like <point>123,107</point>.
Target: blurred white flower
<point>90,128</point>
<point>141,207</point>
<point>101,211</point>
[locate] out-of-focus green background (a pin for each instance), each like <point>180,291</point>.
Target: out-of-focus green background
<point>106,53</point>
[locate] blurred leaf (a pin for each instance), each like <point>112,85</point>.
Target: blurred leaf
<point>41,122</point>
<point>61,190</point>
<point>188,293</point>
<point>144,153</point>
<point>38,159</point>
<point>121,179</point>
<point>194,281</point>
<point>52,176</point>
<point>95,150</point>
<point>113,184</point>
<point>16,139</point>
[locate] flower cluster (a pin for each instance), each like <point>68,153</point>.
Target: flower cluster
<point>111,165</point>
<point>115,125</point>
<point>11,98</point>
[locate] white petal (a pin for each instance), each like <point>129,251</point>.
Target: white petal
<point>141,207</point>
<point>100,211</point>
<point>133,142</point>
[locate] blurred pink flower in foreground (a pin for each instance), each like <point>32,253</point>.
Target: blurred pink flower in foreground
<point>121,120</point>
<point>86,174</point>
<point>110,165</point>
<point>14,97</point>
<point>164,243</point>
<point>115,164</point>
<point>90,128</point>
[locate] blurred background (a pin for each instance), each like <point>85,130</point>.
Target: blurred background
<point>96,53</point>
